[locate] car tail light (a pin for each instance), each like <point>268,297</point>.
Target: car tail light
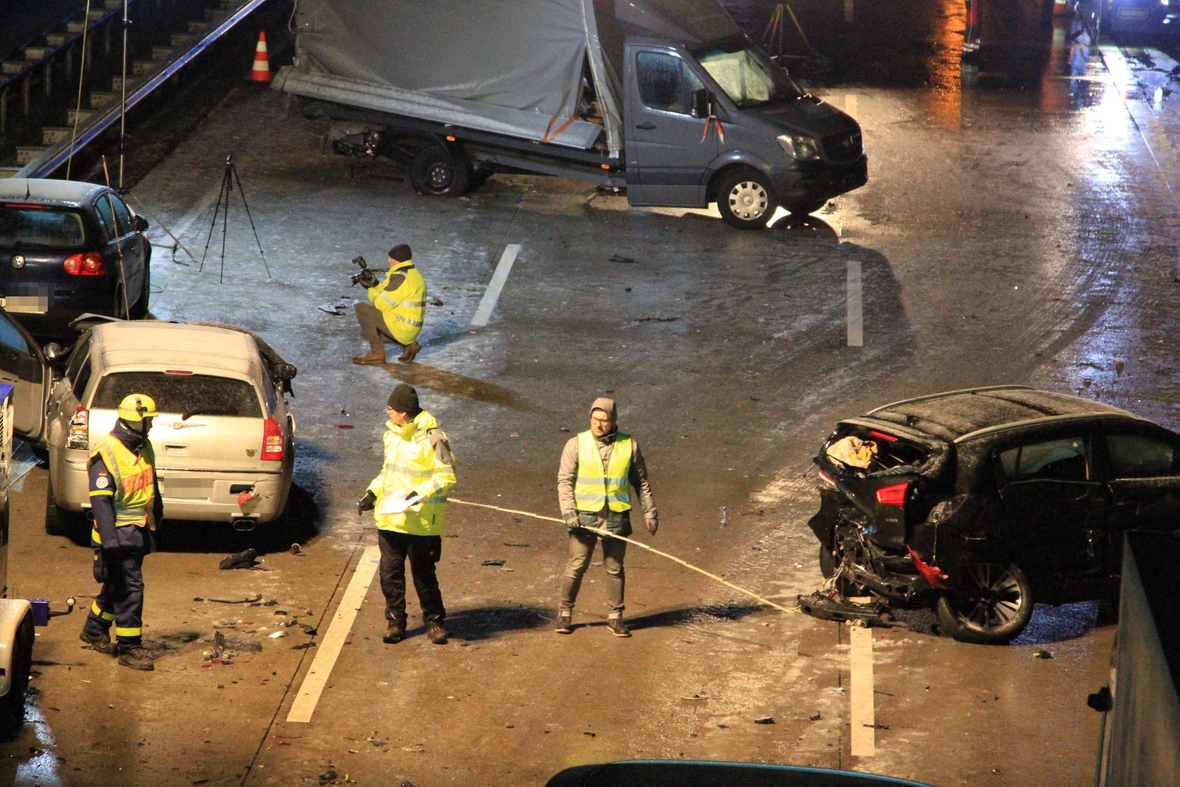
<point>79,436</point>
<point>88,263</point>
<point>882,436</point>
<point>893,495</point>
<point>827,479</point>
<point>272,441</point>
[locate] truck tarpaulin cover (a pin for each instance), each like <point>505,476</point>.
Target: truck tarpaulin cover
<point>504,66</point>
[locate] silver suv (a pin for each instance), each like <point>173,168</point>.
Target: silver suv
<point>223,439</point>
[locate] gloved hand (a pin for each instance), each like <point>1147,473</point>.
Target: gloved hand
<point>366,503</point>
<point>653,523</point>
<point>105,561</point>
<point>368,279</point>
<point>397,504</point>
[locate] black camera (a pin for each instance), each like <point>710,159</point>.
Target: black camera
<point>366,277</point>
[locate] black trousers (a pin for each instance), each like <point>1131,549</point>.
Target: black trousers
<point>120,601</point>
<point>423,552</point>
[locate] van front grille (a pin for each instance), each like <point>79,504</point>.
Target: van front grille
<point>842,147</point>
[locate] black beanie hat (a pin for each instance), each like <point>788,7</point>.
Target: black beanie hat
<point>400,252</point>
<point>404,399</point>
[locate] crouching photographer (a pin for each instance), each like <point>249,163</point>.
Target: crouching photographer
<point>395,309</point>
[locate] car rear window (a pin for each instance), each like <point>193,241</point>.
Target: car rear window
<point>27,226</point>
<point>873,450</point>
<point>183,394</point>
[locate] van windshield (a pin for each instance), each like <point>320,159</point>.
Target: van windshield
<point>746,75</point>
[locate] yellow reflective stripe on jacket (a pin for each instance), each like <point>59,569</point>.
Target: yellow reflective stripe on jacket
<point>134,480</point>
<point>404,309</point>
<point>596,486</point>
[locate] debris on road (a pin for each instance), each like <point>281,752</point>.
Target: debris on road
<point>247,558</point>
<point>514,544</point>
<point>338,307</point>
<point>764,720</point>
<point>493,562</point>
<point>254,600</point>
<point>657,319</point>
<point>1042,654</point>
<point>622,259</point>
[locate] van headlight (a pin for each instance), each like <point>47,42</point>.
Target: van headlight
<point>799,147</point>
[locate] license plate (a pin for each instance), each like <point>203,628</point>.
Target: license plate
<point>1132,13</point>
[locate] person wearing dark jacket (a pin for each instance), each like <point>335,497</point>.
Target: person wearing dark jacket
<point>125,500</point>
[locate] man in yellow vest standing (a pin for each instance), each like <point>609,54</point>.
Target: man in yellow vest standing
<point>598,469</point>
<point>125,499</point>
<point>409,504</point>
<point>395,310</point>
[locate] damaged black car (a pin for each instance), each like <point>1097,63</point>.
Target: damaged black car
<point>980,502</point>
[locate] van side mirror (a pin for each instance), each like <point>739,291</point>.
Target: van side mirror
<point>53,351</point>
<point>141,224</point>
<point>702,104</point>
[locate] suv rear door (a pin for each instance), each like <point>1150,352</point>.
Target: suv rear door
<point>23,366</point>
<point>1052,505</point>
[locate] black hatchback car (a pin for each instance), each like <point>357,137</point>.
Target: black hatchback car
<point>67,248</point>
<point>980,501</point>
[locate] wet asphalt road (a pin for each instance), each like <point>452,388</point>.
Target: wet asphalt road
<point>1006,236</point>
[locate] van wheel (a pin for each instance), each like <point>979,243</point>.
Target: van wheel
<point>140,309</point>
<point>990,605</point>
<point>744,200</point>
<point>439,172</point>
<point>802,207</point>
<point>58,521</point>
<point>12,704</point>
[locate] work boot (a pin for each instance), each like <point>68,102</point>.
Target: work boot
<point>137,658</point>
<point>436,633</point>
<point>394,634</point>
<point>411,349</point>
<point>100,642</point>
<point>617,626</point>
<point>565,621</point>
<point>371,358</point>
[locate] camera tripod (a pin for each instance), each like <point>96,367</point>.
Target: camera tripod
<point>227,186</point>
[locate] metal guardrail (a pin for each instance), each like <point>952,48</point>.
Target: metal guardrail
<point>103,118</point>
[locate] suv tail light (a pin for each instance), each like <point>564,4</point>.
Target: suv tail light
<point>89,263</point>
<point>893,495</point>
<point>79,435</point>
<point>272,441</point>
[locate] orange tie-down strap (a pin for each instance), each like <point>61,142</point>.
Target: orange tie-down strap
<point>547,138</point>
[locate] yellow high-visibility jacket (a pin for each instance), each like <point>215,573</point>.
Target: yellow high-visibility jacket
<point>412,464</point>
<point>403,309</point>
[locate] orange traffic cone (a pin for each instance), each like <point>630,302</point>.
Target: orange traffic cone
<point>261,71</point>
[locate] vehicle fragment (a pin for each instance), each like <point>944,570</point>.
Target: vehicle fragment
<point>247,558</point>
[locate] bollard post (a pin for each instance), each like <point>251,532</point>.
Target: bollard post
<point>48,77</point>
<point>24,93</point>
<point>3,109</point>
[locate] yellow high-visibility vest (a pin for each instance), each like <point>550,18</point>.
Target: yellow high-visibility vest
<point>405,308</point>
<point>133,481</point>
<point>596,486</point>
<point>411,465</point>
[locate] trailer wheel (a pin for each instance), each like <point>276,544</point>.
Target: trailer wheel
<point>440,172</point>
<point>12,704</point>
<point>744,200</point>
